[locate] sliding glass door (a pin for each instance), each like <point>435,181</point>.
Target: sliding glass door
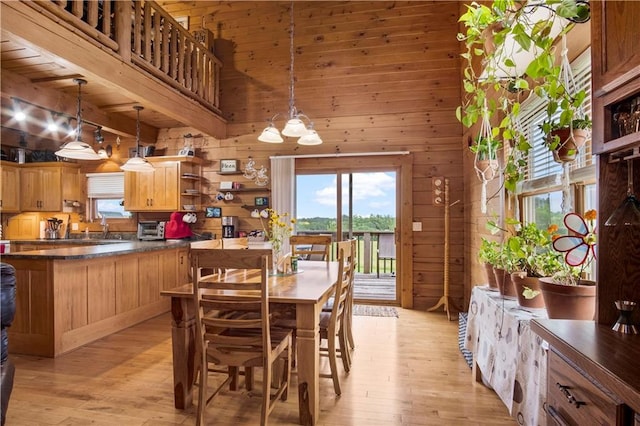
<point>359,205</point>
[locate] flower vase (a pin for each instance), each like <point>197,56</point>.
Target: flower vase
<point>277,261</point>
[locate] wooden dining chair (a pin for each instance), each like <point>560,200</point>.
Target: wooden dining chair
<point>234,325</point>
<point>204,244</point>
<point>331,329</point>
<point>311,247</point>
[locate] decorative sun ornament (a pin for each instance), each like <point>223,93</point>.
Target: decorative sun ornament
<point>577,247</point>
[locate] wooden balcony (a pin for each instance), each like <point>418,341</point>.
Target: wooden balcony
<point>109,42</point>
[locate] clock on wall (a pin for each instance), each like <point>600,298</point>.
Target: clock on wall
<point>228,166</point>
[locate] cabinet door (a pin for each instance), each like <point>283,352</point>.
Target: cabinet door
<point>165,187</point>
<point>30,185</point>
<point>50,189</point>
<point>137,190</point>
<point>615,50</point>
<point>10,201</point>
<point>184,266</point>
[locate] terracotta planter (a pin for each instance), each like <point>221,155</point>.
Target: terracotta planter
<point>491,277</point>
<point>569,146</point>
<point>487,169</point>
<point>569,301</point>
<point>520,281</point>
<point>505,286</point>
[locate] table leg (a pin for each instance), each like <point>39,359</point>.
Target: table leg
<point>183,342</point>
<point>308,362</point>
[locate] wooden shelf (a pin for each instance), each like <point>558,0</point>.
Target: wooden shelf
<point>245,190</point>
<point>230,173</point>
<point>248,207</point>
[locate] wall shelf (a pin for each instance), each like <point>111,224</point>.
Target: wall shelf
<point>230,173</point>
<point>245,190</point>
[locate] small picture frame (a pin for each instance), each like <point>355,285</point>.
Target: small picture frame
<point>213,212</point>
<point>262,201</point>
<point>228,166</point>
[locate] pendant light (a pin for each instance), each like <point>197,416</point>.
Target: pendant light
<point>77,149</point>
<point>137,163</point>
<point>295,127</point>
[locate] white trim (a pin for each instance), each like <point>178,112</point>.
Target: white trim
<point>349,154</point>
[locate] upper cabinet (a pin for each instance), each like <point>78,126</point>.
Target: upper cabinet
<point>44,186</point>
<point>615,59</point>
<point>174,185</point>
<point>10,187</point>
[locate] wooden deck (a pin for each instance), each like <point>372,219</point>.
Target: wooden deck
<point>369,287</point>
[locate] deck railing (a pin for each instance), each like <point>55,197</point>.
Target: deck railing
<point>143,34</point>
<point>367,250</point>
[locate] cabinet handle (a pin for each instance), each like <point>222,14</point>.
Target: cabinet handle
<point>570,398</point>
<point>555,416</point>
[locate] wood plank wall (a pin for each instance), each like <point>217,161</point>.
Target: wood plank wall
<point>374,76</point>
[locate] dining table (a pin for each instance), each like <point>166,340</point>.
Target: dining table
<point>308,289</point>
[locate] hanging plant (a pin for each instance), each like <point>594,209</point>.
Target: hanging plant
<point>494,35</point>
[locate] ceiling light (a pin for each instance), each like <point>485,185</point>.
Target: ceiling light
<point>295,126</point>
<point>137,164</point>
<point>77,149</point>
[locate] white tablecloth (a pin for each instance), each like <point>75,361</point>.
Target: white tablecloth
<point>512,359</point>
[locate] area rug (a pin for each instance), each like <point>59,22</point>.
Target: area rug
<point>375,311</point>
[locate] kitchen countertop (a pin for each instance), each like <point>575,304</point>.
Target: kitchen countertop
<point>92,248</point>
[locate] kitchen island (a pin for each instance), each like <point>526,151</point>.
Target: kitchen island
<point>67,297</point>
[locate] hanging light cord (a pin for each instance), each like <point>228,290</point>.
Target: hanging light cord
<point>80,82</point>
<point>292,108</point>
<point>137,108</point>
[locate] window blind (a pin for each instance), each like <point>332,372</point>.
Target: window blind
<point>105,185</point>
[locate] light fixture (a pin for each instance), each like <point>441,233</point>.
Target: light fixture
<point>98,135</point>
<point>137,163</point>
<point>105,152</point>
<point>77,149</point>
<point>295,126</point>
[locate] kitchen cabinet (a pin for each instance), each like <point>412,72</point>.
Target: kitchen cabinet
<point>173,184</point>
<point>44,186</point>
<point>10,186</point>
<point>615,60</point>
<point>589,378</point>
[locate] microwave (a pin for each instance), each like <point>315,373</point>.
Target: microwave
<point>151,230</point>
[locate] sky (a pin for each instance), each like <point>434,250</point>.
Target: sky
<point>373,194</point>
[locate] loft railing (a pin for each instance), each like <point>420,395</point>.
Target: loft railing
<point>142,33</point>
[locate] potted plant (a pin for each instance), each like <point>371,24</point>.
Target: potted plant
<point>494,82</point>
<point>486,151</point>
<point>488,256</point>
<point>566,293</point>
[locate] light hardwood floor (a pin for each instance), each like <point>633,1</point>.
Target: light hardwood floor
<point>406,371</point>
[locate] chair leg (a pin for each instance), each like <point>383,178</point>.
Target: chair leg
<point>202,390</point>
<point>331,341</point>
<point>266,394</point>
<point>286,374</point>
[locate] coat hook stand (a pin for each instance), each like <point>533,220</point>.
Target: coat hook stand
<point>446,300</point>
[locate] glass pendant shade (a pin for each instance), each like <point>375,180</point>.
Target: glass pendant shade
<point>627,214</point>
<point>294,128</point>
<point>311,138</point>
<point>78,150</point>
<point>137,164</point>
<point>270,135</point>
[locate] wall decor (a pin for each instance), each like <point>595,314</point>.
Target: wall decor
<point>262,201</point>
<point>227,166</point>
<point>213,212</point>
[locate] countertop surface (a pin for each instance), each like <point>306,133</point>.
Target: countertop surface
<point>87,249</point>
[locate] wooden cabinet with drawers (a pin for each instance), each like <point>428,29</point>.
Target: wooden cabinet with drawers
<point>591,377</point>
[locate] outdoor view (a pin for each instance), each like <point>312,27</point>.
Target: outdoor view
<point>372,220</point>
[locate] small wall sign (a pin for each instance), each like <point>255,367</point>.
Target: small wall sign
<point>213,212</point>
<point>228,166</point>
<point>262,201</point>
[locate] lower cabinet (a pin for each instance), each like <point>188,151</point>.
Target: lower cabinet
<point>573,399</point>
<point>64,304</point>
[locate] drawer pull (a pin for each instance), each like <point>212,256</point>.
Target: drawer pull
<point>570,398</point>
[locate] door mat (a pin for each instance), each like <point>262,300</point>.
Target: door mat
<point>375,311</point>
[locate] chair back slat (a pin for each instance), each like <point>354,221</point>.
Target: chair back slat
<point>311,247</point>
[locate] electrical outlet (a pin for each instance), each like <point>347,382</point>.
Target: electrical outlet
<point>417,226</point>
<point>75,226</point>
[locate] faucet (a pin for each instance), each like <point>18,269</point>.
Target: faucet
<point>105,227</point>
